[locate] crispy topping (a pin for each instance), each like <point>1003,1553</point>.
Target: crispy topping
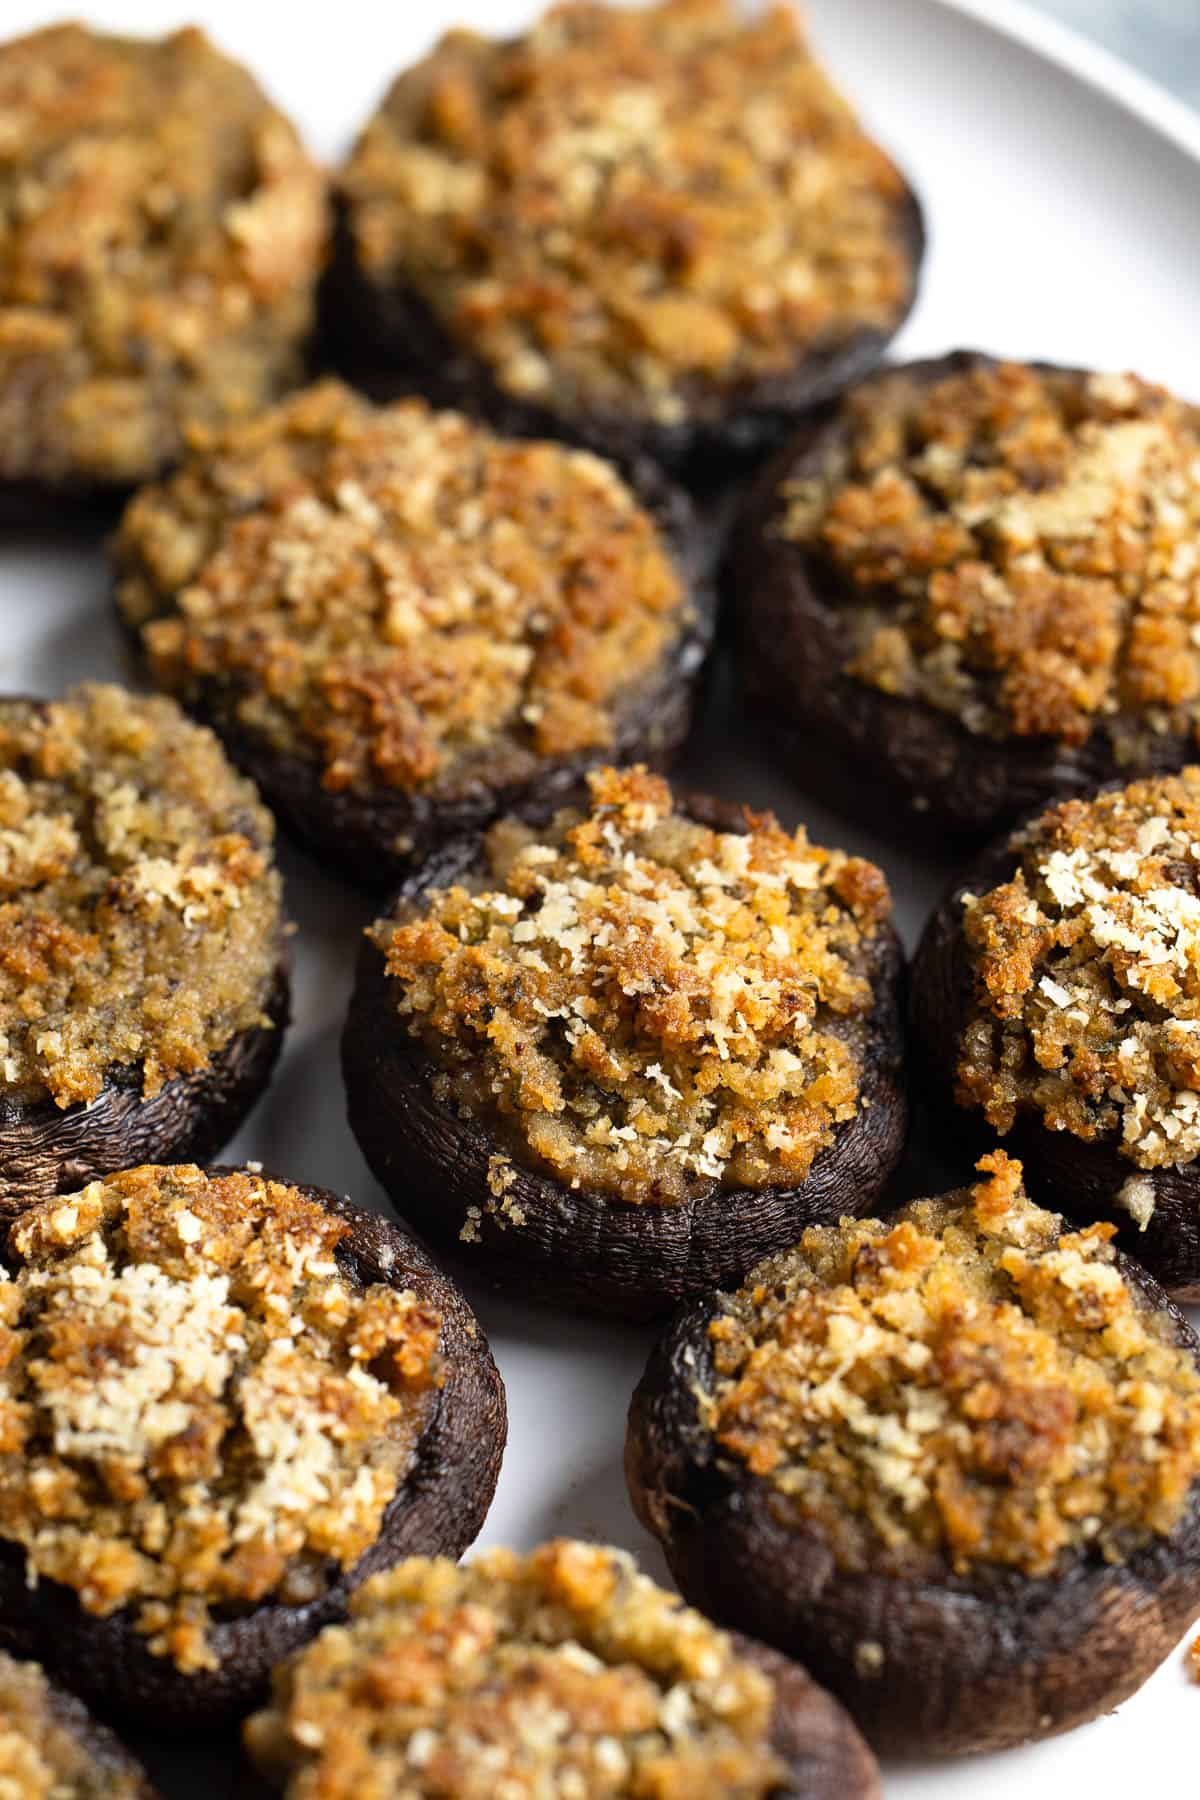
<point>198,1407</point>
<point>1087,978</point>
<point>963,1382</point>
<point>161,233</point>
<point>632,210</point>
<point>398,593</point>
<point>643,1005</point>
<point>41,1757</point>
<point>556,1676</point>
<point>1017,547</point>
<point>139,906</point>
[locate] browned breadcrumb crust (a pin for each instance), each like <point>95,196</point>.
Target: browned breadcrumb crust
<point>561,1675</point>
<point>643,1005</point>
<point>139,906</point>
<point>1018,548</point>
<point>161,235</point>
<point>965,1382</point>
<point>398,592</point>
<point>625,206</point>
<point>40,1757</point>
<point>198,1408</point>
<point>1086,968</point>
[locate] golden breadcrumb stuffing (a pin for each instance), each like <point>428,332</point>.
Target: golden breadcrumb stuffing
<point>1016,547</point>
<point>398,593</point>
<point>161,234</point>
<point>562,1675</point>
<point>1086,967</point>
<point>632,210</point>
<point>199,1407</point>
<point>963,1382</point>
<point>140,920</point>
<point>641,1004</point>
<point>41,1756</point>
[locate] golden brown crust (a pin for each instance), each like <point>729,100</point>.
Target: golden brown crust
<point>140,909</point>
<point>1014,546</point>
<point>965,1383</point>
<point>1085,969</point>
<point>643,1005</point>
<point>630,212</point>
<point>163,231</point>
<point>561,1673</point>
<point>198,1408</point>
<point>397,593</point>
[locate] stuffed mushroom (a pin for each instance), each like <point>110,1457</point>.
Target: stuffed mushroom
<point>949,1460</point>
<point>143,964</point>
<point>564,1671</point>
<point>163,234</point>
<point>621,1053</point>
<point>1056,1001</point>
<point>402,625</point>
<point>225,1400</point>
<point>976,580</point>
<point>655,229</point>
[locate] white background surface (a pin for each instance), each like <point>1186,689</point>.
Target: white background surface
<point>1063,225</point>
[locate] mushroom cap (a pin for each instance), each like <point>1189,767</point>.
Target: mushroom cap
<point>437,1510</point>
<point>585,1249</point>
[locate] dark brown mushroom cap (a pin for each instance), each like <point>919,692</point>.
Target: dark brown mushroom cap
<point>70,512</point>
<point>1078,1177</point>
<point>437,1511</point>
<point>105,1750</point>
<point>575,1247</point>
<point>957,1663</point>
<point>389,336</point>
<point>828,1757</point>
<point>46,1149</point>
<point>794,648</point>
<point>377,836</point>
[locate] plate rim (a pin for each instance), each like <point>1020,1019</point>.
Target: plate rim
<point>1085,62</point>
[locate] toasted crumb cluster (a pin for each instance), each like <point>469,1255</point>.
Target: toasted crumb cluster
<point>963,1382</point>
<point>198,1407</point>
<point>643,1005</point>
<point>161,234</point>
<point>630,209</point>
<point>1087,977</point>
<point>41,1757</point>
<point>1018,548</point>
<point>399,593</point>
<point>558,1676</point>
<point>139,906</point>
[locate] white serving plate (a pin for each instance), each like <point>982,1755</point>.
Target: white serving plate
<point>1063,196</point>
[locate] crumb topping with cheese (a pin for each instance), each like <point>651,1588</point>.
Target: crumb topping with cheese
<point>41,1756</point>
<point>1016,547</point>
<point>642,1005</point>
<point>562,1675</point>
<point>1086,966</point>
<point>200,1406</point>
<point>398,593</point>
<point>964,1382</point>
<point>632,210</point>
<point>140,922</point>
<point>161,234</point>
